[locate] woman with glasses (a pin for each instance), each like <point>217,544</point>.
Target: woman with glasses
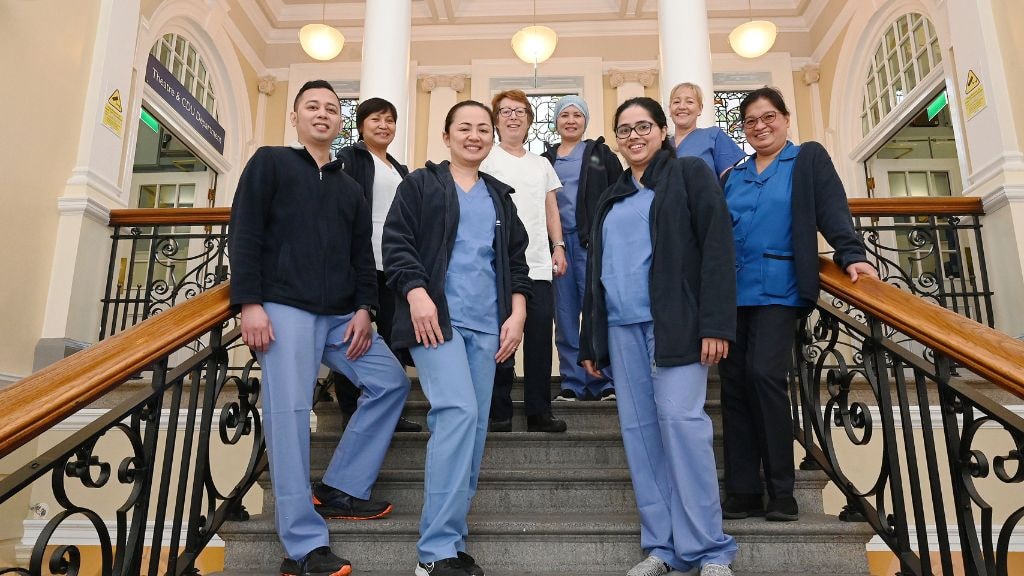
<point>586,168</point>
<point>779,199</point>
<point>535,184</point>
<point>454,249</point>
<point>711,144</point>
<point>659,319</point>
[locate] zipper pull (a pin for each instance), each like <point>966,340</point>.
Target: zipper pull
<point>321,175</point>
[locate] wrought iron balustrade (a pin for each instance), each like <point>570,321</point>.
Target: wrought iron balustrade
<point>160,453</point>
<point>159,258</point>
<point>935,469</point>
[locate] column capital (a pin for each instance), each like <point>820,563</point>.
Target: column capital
<point>811,73</point>
<point>267,84</point>
<point>645,77</point>
<point>456,82</point>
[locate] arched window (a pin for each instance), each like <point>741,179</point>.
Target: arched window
<point>908,51</point>
<point>179,56</point>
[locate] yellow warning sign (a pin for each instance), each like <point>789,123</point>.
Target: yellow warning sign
<point>113,113</point>
<point>115,100</point>
<point>973,82</point>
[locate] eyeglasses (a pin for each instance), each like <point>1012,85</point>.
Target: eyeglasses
<point>767,118</point>
<point>641,129</point>
<point>509,112</point>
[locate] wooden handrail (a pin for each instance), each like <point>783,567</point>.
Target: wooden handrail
<point>169,216</point>
<point>939,206</point>
<point>32,405</point>
<point>986,352</point>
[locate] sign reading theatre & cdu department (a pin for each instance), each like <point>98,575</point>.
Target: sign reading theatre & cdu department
<point>175,94</point>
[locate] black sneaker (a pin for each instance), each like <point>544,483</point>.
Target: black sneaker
<point>406,425</point>
<point>544,422</point>
<point>334,504</point>
<point>739,506</point>
<point>446,567</point>
<point>782,509</point>
<point>469,565</point>
<point>566,396</point>
<point>319,562</point>
<point>608,394</point>
<point>500,426</point>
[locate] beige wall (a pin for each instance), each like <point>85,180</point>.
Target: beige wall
<point>1009,16</point>
<point>44,111</point>
<point>277,108</point>
<point>829,81</point>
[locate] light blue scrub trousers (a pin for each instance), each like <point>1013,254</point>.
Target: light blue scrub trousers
<point>568,303</point>
<point>668,440</point>
<point>458,378</point>
<point>290,365</point>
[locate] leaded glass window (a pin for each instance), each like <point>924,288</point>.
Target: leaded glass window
<point>179,56</point>
<point>542,132</point>
<point>728,118</point>
<point>349,132</point>
<point>907,52</point>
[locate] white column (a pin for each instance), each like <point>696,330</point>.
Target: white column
<point>630,83</point>
<point>443,92</point>
<point>267,85</point>
<point>812,77</point>
<point>385,62</point>
<point>685,50</point>
<point>990,146</point>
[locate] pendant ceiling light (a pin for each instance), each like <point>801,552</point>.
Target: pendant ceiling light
<point>321,41</point>
<point>753,38</point>
<point>534,44</point>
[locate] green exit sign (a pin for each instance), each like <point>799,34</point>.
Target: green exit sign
<point>148,120</point>
<point>937,105</point>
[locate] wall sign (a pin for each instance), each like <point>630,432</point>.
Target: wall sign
<point>974,95</point>
<point>175,94</point>
<point>113,113</point>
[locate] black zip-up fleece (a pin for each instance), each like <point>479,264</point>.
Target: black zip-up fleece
<point>358,163</point>
<point>419,236</point>
<point>693,270</point>
<point>601,168</point>
<point>300,235</point>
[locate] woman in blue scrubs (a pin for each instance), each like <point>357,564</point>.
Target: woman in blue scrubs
<point>660,308</point>
<point>454,249</point>
<point>711,144</point>
<point>779,199</point>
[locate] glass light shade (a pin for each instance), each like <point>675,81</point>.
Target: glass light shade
<point>321,41</point>
<point>753,39</point>
<point>534,44</point>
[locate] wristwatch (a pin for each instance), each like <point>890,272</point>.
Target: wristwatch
<point>557,245</point>
<point>369,310</point>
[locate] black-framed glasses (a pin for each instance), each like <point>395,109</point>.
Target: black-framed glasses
<point>641,128</point>
<point>509,112</point>
<point>767,118</point>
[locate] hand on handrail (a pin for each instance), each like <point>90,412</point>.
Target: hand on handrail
<point>858,269</point>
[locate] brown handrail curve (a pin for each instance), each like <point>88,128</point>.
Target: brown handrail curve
<point>32,405</point>
<point>983,350</point>
<point>938,206</point>
<point>169,216</point>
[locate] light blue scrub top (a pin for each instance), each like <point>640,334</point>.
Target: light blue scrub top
<point>471,285</point>
<point>761,206</point>
<point>626,260</point>
<point>568,169</point>
<point>711,145</point>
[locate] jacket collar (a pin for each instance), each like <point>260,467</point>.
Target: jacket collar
<point>788,152</point>
<point>296,145</point>
<point>443,172</point>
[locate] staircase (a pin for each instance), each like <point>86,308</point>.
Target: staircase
<point>547,504</point>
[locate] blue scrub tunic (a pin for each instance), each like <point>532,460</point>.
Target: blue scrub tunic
<point>471,285</point>
<point>711,145</point>
<point>626,260</point>
<point>761,206</point>
<point>568,168</point>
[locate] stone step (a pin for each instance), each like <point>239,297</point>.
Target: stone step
<point>551,490</point>
<point>565,544</point>
<point>578,416</point>
<point>492,571</point>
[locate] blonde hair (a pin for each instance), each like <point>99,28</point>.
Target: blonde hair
<point>696,90</point>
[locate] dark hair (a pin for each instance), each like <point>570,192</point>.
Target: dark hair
<point>372,106</point>
<point>313,85</point>
<point>515,95</point>
<point>652,107</point>
<point>772,95</point>
<point>451,113</point>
